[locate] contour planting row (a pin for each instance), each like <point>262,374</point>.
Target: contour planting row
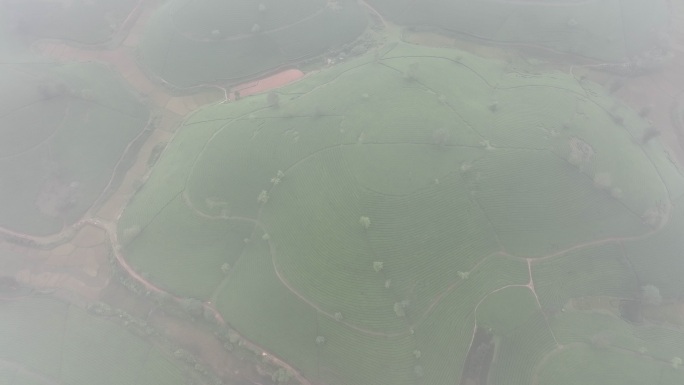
<point>53,342</point>
<point>594,271</point>
<point>372,223</point>
<point>244,41</point>
<point>65,129</point>
<point>534,216</point>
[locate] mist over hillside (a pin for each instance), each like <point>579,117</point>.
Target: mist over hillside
<point>341,192</point>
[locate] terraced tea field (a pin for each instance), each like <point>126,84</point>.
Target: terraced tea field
<point>364,223</point>
<point>65,128</point>
<point>46,341</point>
<point>189,43</point>
<point>611,31</point>
<point>83,22</point>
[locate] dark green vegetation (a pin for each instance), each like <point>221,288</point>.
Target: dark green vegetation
<point>46,341</point>
<point>364,225</point>
<point>194,42</point>
<point>610,30</point>
<point>79,21</point>
<point>64,129</point>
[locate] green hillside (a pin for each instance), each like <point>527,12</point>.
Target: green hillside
<point>188,43</point>
<point>64,129</point>
<point>45,341</point>
<point>363,225</point>
<point>609,30</point>
<point>84,22</point>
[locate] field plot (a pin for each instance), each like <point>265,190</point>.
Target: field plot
<point>48,341</point>
<point>658,260</point>
<point>593,271</point>
<point>586,365</point>
<point>187,43</point>
<point>367,219</point>
<point>64,130</point>
<point>85,22</point>
<point>592,28</point>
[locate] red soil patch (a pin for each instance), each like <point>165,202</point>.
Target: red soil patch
<point>268,83</point>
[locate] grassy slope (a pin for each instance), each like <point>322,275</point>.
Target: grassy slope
<point>440,193</point>
<point>595,29</point>
<point>86,22</point>
<point>61,139</point>
<point>180,44</point>
<point>47,338</point>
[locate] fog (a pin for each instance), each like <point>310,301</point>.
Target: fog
<point>341,192</point>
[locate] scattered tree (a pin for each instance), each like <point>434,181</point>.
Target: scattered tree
<point>418,371</point>
<point>281,375</point>
<point>53,89</point>
<point>365,222</point>
<point>411,73</point>
<point>225,268</point>
<point>676,362</point>
<point>463,274</point>
<point>377,266</point>
<point>193,306</point>
<point>649,134</point>
<point>263,197</point>
<point>617,119</point>
<point>273,99</point>
<point>262,7</point>
<point>320,340</point>
<point>651,294</point>
<point>388,282</point>
<point>494,106</point>
<point>256,28</point>
<point>266,237</point>
<point>417,353</point>
<point>338,316</point>
<point>399,310</point>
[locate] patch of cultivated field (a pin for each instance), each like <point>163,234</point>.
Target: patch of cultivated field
<point>86,22</point>
<point>593,28</point>
<point>362,222</point>
<point>48,341</point>
<point>64,129</point>
<point>188,43</point>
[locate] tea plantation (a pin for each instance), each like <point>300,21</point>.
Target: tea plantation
<point>370,223</point>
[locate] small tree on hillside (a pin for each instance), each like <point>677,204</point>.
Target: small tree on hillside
<point>273,99</point>
<point>365,222</point>
<point>263,197</point>
<point>411,73</point>
<point>377,266</point>
<point>225,268</point>
<point>651,295</point>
